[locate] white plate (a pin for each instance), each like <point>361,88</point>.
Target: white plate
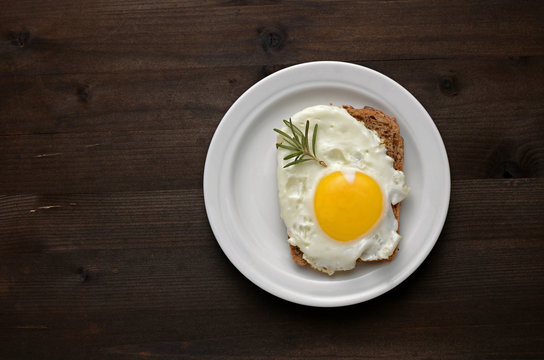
<point>240,190</point>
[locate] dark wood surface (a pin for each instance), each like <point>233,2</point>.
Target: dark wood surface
<point>107,109</point>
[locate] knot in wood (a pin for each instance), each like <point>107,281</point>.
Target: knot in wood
<point>84,274</point>
<point>448,85</point>
<point>510,161</point>
<point>272,38</point>
<point>19,37</point>
<point>83,94</point>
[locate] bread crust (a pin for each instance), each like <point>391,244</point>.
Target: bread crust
<point>388,130</point>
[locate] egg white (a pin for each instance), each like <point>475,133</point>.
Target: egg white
<point>345,145</point>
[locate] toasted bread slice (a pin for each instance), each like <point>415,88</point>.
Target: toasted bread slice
<point>388,130</point>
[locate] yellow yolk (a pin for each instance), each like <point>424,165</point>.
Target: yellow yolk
<point>347,208</point>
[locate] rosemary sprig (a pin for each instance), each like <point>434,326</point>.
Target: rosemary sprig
<point>299,144</point>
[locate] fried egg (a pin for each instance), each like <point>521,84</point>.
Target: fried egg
<point>342,212</point>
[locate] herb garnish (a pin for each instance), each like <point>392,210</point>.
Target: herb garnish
<point>298,144</point>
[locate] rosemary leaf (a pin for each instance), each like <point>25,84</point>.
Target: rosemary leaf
<point>314,137</point>
<point>282,133</point>
<point>306,134</point>
<point>288,138</point>
<point>292,128</point>
<point>286,147</point>
<point>297,130</point>
<point>297,162</point>
<point>298,144</point>
<point>292,155</point>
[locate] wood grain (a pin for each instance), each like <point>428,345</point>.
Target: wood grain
<point>144,269</point>
<point>169,35</point>
<point>157,138</point>
<point>107,110</point>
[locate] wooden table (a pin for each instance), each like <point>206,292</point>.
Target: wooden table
<point>107,109</point>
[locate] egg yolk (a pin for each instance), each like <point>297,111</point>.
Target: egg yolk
<point>347,208</point>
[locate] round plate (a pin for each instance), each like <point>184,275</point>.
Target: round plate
<point>240,188</point>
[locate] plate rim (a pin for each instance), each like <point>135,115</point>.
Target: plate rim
<point>254,276</point>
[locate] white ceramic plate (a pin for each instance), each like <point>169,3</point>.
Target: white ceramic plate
<point>240,189</point>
